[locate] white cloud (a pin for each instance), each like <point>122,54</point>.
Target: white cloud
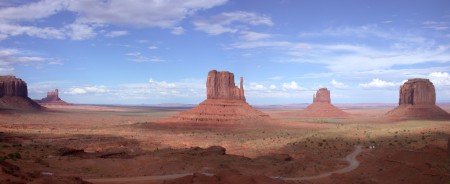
<point>213,29</point>
<point>233,22</point>
<point>152,47</point>
<point>161,84</point>
<point>33,11</point>
<point>378,83</point>
<point>8,30</point>
<point>113,34</point>
<point>438,26</point>
<point>256,86</point>
<point>138,57</point>
<point>252,36</point>
<point>139,13</point>
<point>6,71</point>
<point>78,31</point>
<point>87,89</point>
<point>338,85</point>
<point>440,78</point>
<point>10,57</point>
<point>177,30</point>
<point>273,87</point>
<point>291,86</point>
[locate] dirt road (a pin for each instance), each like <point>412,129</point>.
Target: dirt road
<point>350,158</point>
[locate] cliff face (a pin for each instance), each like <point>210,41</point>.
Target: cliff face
<point>322,95</point>
<point>14,94</point>
<point>220,85</point>
<point>418,101</point>
<point>417,92</point>
<point>12,86</point>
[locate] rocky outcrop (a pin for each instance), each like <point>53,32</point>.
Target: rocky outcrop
<point>417,92</point>
<point>52,99</point>
<point>322,107</point>
<point>225,103</point>
<point>418,101</point>
<point>220,85</point>
<point>14,94</point>
<point>12,86</point>
<point>322,95</point>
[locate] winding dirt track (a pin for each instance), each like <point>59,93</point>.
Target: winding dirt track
<point>352,164</point>
<point>350,158</point>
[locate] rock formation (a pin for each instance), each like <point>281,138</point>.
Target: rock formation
<point>418,101</point>
<point>220,85</point>
<point>322,107</point>
<point>14,94</point>
<point>52,99</point>
<point>225,102</point>
<point>322,95</point>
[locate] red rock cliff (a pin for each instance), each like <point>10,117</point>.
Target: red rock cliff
<point>322,95</point>
<point>417,92</point>
<point>12,86</point>
<point>220,85</point>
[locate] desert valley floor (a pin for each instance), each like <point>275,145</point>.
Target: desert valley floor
<point>128,144</point>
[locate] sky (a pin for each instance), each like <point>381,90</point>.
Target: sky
<point>160,51</point>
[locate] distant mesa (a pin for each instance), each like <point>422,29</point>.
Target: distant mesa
<point>418,101</point>
<point>52,99</point>
<point>225,102</point>
<point>322,107</point>
<point>14,94</point>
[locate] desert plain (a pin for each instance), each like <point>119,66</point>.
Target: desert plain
<point>130,144</point>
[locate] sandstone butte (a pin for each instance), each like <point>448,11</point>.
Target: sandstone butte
<point>14,94</point>
<point>418,101</point>
<point>322,107</point>
<point>52,99</point>
<point>225,102</point>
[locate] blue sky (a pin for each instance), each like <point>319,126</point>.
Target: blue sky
<point>155,51</point>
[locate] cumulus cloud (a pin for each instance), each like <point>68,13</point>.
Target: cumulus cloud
<point>291,86</point>
<point>440,78</point>
<point>87,89</point>
<point>256,86</point>
<point>338,85</point>
<point>378,83</point>
<point>161,84</point>
<point>78,31</point>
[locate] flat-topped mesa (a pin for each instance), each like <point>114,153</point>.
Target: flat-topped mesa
<point>220,85</point>
<point>14,94</point>
<point>418,101</point>
<point>12,86</point>
<point>417,92</point>
<point>322,95</point>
